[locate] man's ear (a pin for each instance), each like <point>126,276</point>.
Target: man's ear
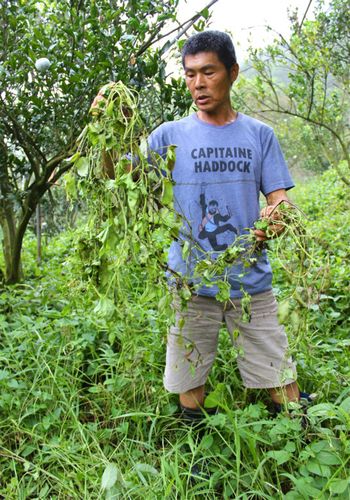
<point>234,73</point>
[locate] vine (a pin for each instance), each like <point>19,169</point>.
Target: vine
<point>132,220</point>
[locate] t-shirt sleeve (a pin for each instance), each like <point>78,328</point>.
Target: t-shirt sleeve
<point>153,146</point>
<point>274,171</point>
<point>157,142</point>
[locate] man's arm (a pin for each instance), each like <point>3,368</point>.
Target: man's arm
<point>271,213</point>
<point>221,218</point>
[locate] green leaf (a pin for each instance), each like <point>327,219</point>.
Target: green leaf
<point>110,108</point>
<point>4,374</point>
<point>345,405</point>
<point>28,450</point>
<point>306,489</point>
<point>73,158</point>
<point>167,195</point>
<point>283,310</point>
<point>205,13</point>
<point>224,291</point>
<point>110,476</point>
<point>82,166</point>
<point>185,250</point>
<point>292,495</point>
<point>146,469</point>
<point>290,446</point>
<point>328,458</point>
<point>216,397</point>
<point>318,446</point>
<point>322,410</point>
<point>104,307</point>
<point>219,420</point>
<point>207,442</point>
<point>338,486</point>
<point>170,157</point>
<point>70,186</point>
<point>315,467</point>
<point>281,456</point>
<point>95,389</point>
<point>132,199</point>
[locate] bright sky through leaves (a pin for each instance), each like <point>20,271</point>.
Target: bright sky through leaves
<point>248,19</point>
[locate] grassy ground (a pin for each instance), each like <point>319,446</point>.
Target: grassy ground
<point>83,413</point>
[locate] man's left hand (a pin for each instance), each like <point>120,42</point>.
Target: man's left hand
<point>271,215</point>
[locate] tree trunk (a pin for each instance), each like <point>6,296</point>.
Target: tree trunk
<point>38,233</point>
<point>8,221</point>
<point>14,227</point>
<point>8,225</point>
<point>15,273</point>
<point>32,201</point>
<point>14,236</point>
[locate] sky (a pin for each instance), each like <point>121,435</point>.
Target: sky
<point>246,19</point>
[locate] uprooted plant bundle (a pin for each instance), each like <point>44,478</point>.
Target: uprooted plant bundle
<point>130,204</point>
<point>132,219</point>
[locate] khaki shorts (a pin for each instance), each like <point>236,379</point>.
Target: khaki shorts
<point>263,359</point>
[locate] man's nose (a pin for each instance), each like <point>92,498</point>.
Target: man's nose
<point>199,81</point>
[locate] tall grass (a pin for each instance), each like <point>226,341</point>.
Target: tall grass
<point>83,413</point>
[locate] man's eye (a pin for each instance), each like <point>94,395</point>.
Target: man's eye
<point>189,75</point>
<point>208,73</point>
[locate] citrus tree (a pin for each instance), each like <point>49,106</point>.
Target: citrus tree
<point>54,56</point>
<point>306,79</point>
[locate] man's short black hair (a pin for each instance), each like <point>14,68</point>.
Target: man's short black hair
<point>211,41</point>
<point>213,203</point>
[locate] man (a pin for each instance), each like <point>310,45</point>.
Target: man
<point>210,225</point>
<point>233,157</point>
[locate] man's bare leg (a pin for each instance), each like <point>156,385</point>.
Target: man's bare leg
<point>285,394</point>
<point>194,398</point>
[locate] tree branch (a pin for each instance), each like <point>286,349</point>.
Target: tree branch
<point>16,132</point>
<point>318,124</point>
<point>183,27</point>
<point>289,47</point>
<point>311,102</point>
<point>22,136</point>
<point>60,172</point>
<point>5,33</point>
<point>186,26</point>
<point>150,41</point>
<point>305,14</point>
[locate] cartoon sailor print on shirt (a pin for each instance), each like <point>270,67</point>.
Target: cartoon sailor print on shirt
<point>211,218</point>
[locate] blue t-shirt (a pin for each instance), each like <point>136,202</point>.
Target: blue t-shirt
<point>219,173</point>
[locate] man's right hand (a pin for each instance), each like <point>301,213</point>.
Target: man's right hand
<point>98,103</point>
<point>101,98</point>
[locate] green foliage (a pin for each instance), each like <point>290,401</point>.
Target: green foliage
<point>314,95</point>
<point>300,144</point>
<point>87,46</point>
<point>318,303</point>
<point>82,408</point>
<point>52,353</point>
<point>132,220</point>
<point>44,110</point>
<point>131,217</point>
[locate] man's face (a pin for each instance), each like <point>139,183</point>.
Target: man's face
<point>209,81</point>
<point>212,209</point>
